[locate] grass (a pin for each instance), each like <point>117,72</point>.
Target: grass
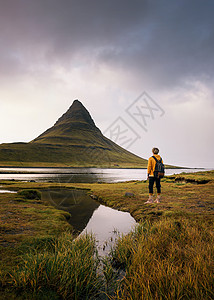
<point>25,223</point>
<point>166,260</point>
<point>168,256</point>
<point>67,267</point>
<point>30,194</point>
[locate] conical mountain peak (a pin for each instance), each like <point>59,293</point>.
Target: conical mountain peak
<point>69,127</point>
<point>76,113</point>
<point>73,141</point>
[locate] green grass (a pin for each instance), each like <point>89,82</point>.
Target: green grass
<point>166,260</point>
<point>168,256</point>
<point>68,268</point>
<point>30,194</point>
<point>24,223</point>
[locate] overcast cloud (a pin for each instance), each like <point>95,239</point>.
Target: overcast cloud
<point>105,53</point>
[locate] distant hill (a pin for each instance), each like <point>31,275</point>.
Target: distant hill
<point>73,141</point>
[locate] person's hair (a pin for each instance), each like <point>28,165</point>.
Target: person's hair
<point>155,150</point>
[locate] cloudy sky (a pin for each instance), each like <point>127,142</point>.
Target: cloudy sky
<point>106,54</point>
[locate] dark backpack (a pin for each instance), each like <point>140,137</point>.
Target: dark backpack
<point>159,168</point>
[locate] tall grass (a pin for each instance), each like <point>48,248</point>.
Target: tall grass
<point>167,260</point>
<point>69,269</point>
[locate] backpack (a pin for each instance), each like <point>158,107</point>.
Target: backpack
<point>159,168</point>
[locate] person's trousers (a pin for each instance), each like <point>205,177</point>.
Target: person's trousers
<point>153,180</point>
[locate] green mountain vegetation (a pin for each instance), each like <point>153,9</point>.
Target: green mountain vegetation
<point>73,141</point>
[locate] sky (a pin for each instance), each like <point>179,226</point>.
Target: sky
<point>143,69</point>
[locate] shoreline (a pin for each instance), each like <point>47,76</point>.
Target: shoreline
<point>83,168</point>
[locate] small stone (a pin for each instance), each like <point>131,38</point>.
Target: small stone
<point>127,194</point>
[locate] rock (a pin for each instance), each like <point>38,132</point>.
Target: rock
<point>127,194</point>
<point>94,197</point>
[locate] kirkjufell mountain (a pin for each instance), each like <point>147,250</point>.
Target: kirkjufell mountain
<point>75,127</point>
<point>73,141</point>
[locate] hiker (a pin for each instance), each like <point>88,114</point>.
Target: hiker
<point>155,172</point>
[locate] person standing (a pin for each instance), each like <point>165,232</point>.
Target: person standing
<point>153,177</point>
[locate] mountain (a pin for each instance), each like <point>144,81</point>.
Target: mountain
<point>73,141</point>
<point>75,127</point>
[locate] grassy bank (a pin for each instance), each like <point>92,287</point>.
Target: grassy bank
<point>26,224</point>
<point>166,260</point>
<point>66,269</point>
<point>169,256</point>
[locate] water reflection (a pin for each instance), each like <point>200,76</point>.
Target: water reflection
<point>77,202</point>
<point>107,224</point>
<point>82,175</point>
<point>89,216</point>
<point>52,175</point>
<point>7,191</point>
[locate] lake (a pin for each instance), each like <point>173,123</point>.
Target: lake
<point>82,175</point>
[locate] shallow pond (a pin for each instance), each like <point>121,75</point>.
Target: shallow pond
<point>87,215</point>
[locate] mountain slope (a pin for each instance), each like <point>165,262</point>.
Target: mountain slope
<point>73,141</point>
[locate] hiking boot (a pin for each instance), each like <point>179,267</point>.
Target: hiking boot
<point>157,200</point>
<point>150,200</point>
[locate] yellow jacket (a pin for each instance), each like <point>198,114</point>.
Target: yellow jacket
<point>151,164</point>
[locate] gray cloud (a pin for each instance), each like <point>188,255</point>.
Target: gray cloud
<point>176,41</point>
<point>53,31</point>
<point>165,41</point>
<point>105,53</point>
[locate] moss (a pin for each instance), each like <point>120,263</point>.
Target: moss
<point>30,194</point>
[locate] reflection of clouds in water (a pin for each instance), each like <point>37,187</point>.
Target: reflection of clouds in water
<point>85,175</point>
<point>104,224</point>
<point>7,191</point>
